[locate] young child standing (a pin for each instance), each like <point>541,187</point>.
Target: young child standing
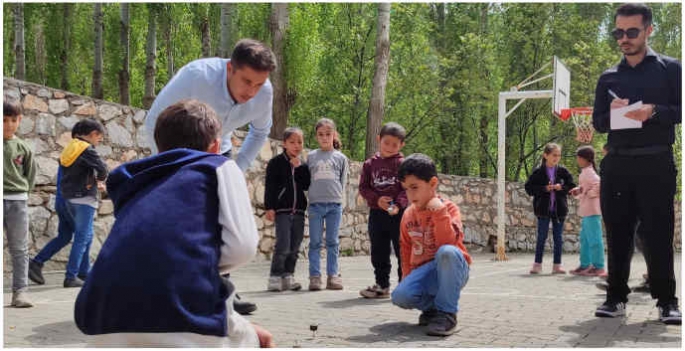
<point>81,174</point>
<point>287,178</point>
<point>328,168</point>
<point>591,243</point>
<point>19,172</point>
<point>549,185</point>
<point>183,218</point>
<point>382,190</point>
<point>435,263</point>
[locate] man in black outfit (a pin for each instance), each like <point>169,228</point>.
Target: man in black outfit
<point>639,174</point>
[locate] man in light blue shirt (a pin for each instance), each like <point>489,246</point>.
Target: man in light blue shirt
<point>238,89</point>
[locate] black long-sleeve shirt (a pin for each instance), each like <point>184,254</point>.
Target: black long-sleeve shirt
<point>656,80</point>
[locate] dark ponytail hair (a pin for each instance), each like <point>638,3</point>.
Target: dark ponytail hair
<point>587,153</point>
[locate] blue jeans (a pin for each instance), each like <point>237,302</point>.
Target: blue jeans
<point>74,220</point>
<point>591,243</point>
<point>318,213</point>
<point>543,230</point>
<point>436,284</point>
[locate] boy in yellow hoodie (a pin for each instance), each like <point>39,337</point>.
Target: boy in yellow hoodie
<point>81,173</point>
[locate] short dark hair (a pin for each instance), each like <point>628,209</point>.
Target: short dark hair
<point>288,132</point>
<point>254,54</point>
<point>393,129</point>
<point>86,126</point>
<point>11,107</point>
<point>418,165</point>
<point>634,9</point>
<point>187,124</point>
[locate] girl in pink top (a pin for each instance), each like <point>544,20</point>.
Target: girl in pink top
<point>591,242</point>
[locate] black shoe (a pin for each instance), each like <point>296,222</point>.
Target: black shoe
<point>670,314</point>
<point>602,286</point>
<point>442,324</point>
<point>426,316</point>
<point>243,307</point>
<point>611,309</point>
<point>73,283</point>
<point>642,288</point>
<point>36,272</point>
<point>82,277</point>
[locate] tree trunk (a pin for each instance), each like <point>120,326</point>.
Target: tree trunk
<point>66,47</point>
<point>97,67</point>
<point>151,55</point>
<point>205,32</point>
<point>374,117</point>
<point>484,121</point>
<point>226,17</point>
<point>124,73</point>
<point>19,48</point>
<point>279,26</point>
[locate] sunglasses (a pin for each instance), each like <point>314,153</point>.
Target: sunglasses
<point>632,33</point>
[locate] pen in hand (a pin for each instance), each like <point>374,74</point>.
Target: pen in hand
<point>613,94</point>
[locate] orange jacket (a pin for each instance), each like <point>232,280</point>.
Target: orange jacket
<point>422,232</point>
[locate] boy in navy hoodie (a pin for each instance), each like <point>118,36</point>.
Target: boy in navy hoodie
<point>381,188</point>
<point>183,219</point>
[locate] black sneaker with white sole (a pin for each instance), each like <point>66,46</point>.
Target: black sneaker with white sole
<point>669,314</point>
<point>442,324</point>
<point>611,309</point>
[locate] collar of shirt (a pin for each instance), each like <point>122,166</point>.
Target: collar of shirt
<point>651,55</point>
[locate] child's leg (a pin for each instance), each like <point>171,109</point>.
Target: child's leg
<point>415,289</point>
<point>282,248</point>
<point>380,246</point>
<point>585,254</point>
<point>543,229</point>
<point>84,268</point>
<point>595,241</point>
<point>557,231</point>
<point>453,273</point>
<point>16,225</point>
<point>65,231</point>
<point>316,214</point>
<point>333,217</point>
<point>395,240</point>
<point>297,233</point>
<point>83,234</point>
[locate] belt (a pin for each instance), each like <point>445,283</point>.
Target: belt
<point>640,151</point>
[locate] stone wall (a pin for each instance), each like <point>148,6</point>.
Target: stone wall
<point>49,115</point>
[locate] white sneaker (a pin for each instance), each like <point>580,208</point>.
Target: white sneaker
<point>20,299</point>
<point>275,284</point>
<point>289,283</point>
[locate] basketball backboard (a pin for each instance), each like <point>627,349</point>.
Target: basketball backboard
<point>561,97</point>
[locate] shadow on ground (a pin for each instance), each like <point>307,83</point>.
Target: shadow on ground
<point>616,331</point>
<point>56,334</point>
<point>354,302</point>
<point>394,332</point>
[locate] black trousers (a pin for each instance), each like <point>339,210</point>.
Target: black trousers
<point>384,230</point>
<point>289,234</point>
<point>639,189</point>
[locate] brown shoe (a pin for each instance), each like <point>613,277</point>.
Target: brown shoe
<point>334,282</point>
<point>537,268</point>
<point>558,269</point>
<point>315,283</point>
<point>375,292</point>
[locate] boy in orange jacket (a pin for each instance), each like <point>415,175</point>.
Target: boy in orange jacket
<point>435,263</point>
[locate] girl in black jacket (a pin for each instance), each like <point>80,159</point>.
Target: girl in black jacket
<point>287,178</point>
<point>549,185</point>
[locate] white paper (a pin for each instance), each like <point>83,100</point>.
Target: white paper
<point>619,119</point>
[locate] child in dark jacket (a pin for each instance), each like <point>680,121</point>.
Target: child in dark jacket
<point>287,178</point>
<point>549,184</point>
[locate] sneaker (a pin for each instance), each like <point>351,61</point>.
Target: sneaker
<point>315,283</point>
<point>580,270</point>
<point>334,282</point>
<point>442,324</point>
<point>642,288</point>
<point>426,316</point>
<point>243,307</point>
<point>375,292</point>
<point>537,268</point>
<point>558,269</point>
<point>601,272</point>
<point>289,283</point>
<point>36,272</point>
<point>275,284</point>
<point>611,309</point>
<point>602,286</point>
<point>670,314</point>
<point>20,299</point>
<point>73,283</point>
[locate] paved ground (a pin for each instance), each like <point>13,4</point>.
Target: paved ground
<point>501,306</point>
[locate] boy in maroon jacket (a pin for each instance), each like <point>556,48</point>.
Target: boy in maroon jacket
<point>381,188</point>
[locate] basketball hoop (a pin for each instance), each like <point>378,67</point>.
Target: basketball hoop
<point>582,120</point>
